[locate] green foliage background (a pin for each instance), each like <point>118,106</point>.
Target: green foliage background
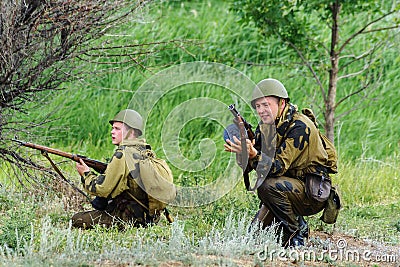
<point>84,108</point>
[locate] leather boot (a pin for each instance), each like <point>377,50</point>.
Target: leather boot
<point>292,240</point>
<point>303,227</point>
<point>297,238</point>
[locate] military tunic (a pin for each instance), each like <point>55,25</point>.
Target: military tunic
<point>285,157</point>
<point>127,201</point>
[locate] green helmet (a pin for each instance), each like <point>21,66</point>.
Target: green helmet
<point>269,87</point>
<point>130,118</point>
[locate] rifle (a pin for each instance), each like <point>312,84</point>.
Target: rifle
<point>246,131</point>
<point>98,166</point>
<point>247,126</point>
<point>98,202</point>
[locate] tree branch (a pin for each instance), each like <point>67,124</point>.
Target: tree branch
<point>308,65</point>
<point>363,30</point>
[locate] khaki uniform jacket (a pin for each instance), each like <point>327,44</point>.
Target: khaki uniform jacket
<point>292,149</point>
<point>118,176</point>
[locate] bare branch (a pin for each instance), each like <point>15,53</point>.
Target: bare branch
<point>362,56</point>
<point>382,29</point>
<point>363,30</point>
<point>364,87</point>
<point>364,69</point>
<point>310,68</point>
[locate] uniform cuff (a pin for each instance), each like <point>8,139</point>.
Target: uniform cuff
<point>84,175</point>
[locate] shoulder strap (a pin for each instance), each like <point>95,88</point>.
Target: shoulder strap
<point>46,155</point>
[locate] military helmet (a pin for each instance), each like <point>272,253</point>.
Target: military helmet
<point>269,87</point>
<point>130,117</point>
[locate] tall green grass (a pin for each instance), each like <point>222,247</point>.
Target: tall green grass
<point>82,111</point>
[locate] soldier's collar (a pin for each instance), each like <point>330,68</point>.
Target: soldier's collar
<point>133,142</point>
<point>287,114</point>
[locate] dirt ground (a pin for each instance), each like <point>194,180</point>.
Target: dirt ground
<point>347,250</point>
<point>340,250</point>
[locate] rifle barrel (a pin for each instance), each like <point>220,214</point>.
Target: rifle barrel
<point>46,149</point>
<point>95,164</point>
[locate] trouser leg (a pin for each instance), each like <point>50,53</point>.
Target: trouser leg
<point>87,219</point>
<point>120,211</point>
<point>263,218</point>
<point>286,198</point>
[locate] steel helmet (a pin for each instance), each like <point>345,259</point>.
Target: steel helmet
<point>269,87</point>
<point>130,117</point>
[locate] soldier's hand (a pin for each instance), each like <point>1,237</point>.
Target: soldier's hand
<point>236,147</point>
<point>81,167</point>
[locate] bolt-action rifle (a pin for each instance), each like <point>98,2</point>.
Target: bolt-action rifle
<point>96,165</point>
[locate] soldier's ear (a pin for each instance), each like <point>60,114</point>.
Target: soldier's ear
<point>283,102</point>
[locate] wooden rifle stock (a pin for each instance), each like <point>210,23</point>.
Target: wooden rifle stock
<point>245,129</point>
<point>94,164</point>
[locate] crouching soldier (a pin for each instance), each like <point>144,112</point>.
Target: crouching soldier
<point>292,159</point>
<point>121,195</point>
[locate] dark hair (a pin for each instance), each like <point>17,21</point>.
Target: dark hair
<point>136,132</point>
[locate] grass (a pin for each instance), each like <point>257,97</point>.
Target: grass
<point>363,181</point>
<point>51,243</point>
<point>39,232</point>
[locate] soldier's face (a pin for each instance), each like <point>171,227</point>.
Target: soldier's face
<point>117,132</point>
<point>267,109</point>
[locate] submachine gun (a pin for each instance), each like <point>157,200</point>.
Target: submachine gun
<point>245,132</point>
<point>241,121</point>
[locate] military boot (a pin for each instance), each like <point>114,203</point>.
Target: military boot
<point>303,227</point>
<point>297,238</point>
<point>292,240</point>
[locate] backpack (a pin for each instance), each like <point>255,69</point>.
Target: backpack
<point>329,147</point>
<point>157,179</point>
<point>333,203</point>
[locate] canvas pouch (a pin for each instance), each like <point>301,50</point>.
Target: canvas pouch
<point>318,187</point>
<point>332,208</point>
